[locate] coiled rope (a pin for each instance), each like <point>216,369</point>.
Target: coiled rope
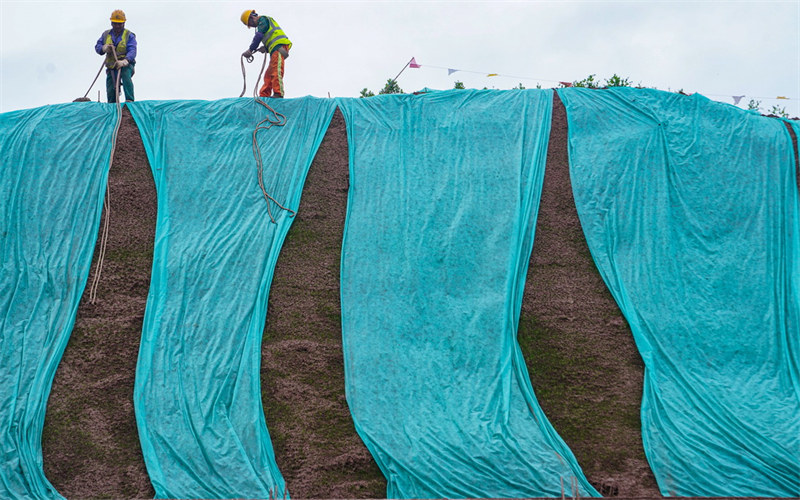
<point>273,119</point>
<point>107,200</point>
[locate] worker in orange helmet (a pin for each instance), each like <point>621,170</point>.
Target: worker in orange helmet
<point>122,42</point>
<point>276,43</point>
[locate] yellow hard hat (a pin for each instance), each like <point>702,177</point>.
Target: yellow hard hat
<point>117,16</point>
<point>246,15</point>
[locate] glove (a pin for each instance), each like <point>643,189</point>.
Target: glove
<point>121,63</point>
<point>262,49</point>
<point>108,48</point>
<point>247,54</point>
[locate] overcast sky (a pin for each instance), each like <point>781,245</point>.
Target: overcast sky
<point>191,49</point>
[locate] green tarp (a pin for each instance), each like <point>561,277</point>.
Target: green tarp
<point>690,210</point>
<point>54,164</point>
<point>197,395</point>
<point>444,193</point>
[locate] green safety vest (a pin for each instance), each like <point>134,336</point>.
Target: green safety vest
<point>122,49</point>
<point>273,34</point>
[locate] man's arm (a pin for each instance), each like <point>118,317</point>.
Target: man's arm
<point>98,47</point>
<point>256,40</point>
<point>130,54</point>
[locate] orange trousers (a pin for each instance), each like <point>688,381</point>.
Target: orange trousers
<point>273,78</point>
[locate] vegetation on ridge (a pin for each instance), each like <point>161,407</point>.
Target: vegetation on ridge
<point>590,82</point>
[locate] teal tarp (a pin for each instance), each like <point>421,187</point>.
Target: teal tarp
<point>444,193</point>
<point>690,210</point>
<point>197,395</point>
<point>53,168</point>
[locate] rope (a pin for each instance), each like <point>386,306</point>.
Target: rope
<point>244,77</point>
<point>279,120</point>
<point>103,242</point>
<point>274,119</point>
<point>107,200</point>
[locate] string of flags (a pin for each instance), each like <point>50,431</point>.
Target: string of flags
<point>737,98</point>
<point>414,64</point>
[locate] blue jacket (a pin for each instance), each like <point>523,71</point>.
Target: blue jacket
<point>130,53</point>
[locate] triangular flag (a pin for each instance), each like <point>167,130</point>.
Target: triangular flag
<point>736,99</point>
<point>413,63</point>
<point>566,84</point>
<point>492,74</point>
<point>781,97</point>
<point>451,71</point>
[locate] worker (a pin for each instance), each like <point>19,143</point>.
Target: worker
<point>119,46</point>
<point>276,43</point>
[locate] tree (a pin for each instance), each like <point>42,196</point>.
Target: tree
<point>754,105</point>
<point>778,111</point>
<point>617,81</point>
<point>458,85</point>
<point>589,82</point>
<point>391,87</point>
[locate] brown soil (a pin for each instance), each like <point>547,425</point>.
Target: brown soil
<point>90,443</point>
<point>584,366</point>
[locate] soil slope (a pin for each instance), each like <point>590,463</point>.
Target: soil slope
<point>583,363</point>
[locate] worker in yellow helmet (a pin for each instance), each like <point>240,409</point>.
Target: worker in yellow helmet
<point>119,46</point>
<point>276,43</point>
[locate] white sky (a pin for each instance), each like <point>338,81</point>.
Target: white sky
<point>191,49</point>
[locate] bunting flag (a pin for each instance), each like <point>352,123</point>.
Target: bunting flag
<point>736,98</point>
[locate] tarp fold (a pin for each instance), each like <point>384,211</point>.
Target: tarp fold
<point>54,163</point>
<point>197,395</point>
<point>690,210</point>
<point>444,192</point>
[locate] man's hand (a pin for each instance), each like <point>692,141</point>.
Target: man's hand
<point>108,48</point>
<point>121,63</point>
<point>262,49</point>
<point>247,54</point>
